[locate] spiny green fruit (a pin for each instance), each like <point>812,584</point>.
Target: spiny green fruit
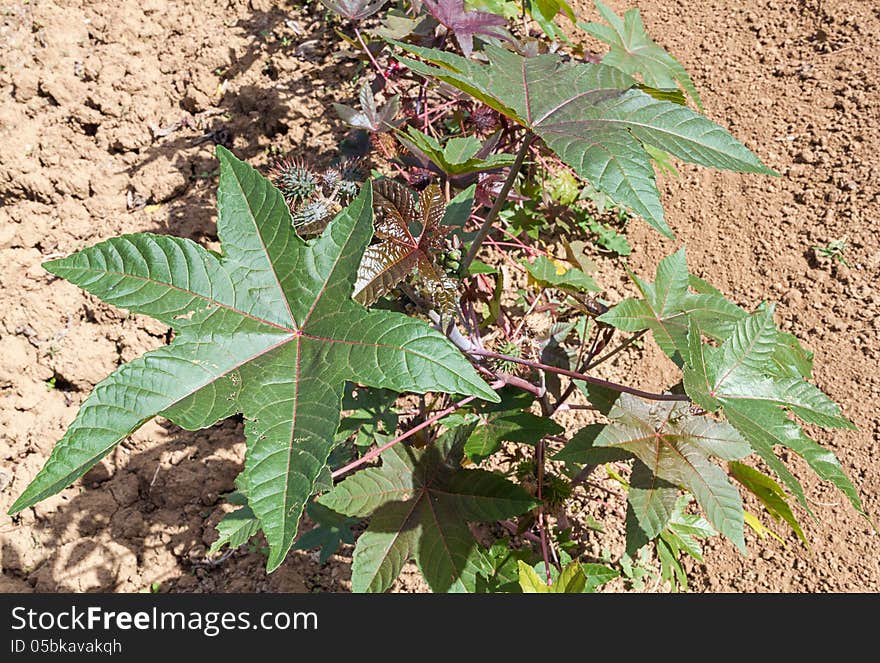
<point>294,179</point>
<point>313,216</point>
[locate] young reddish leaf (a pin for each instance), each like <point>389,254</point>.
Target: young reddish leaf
<point>465,24</point>
<point>398,253</point>
<point>268,330</point>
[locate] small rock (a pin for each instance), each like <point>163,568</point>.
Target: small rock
<point>5,479</point>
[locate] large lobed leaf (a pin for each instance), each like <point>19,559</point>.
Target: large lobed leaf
<point>268,330</point>
<point>740,378</point>
<point>674,448</point>
<point>419,502</point>
<point>593,117</point>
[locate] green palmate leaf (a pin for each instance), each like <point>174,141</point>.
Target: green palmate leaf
<point>399,253</point>
<point>652,499</point>
<point>635,53</point>
<point>741,378</point>
<point>769,493</point>
<point>237,527</point>
<point>662,307</point>
<point>331,531</point>
<point>667,306</point>
<point>497,427</point>
<point>419,502</point>
<point>268,330</point>
<point>675,446</point>
<point>550,274</point>
<point>593,117</point>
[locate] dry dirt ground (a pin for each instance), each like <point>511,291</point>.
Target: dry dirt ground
<point>108,117</point>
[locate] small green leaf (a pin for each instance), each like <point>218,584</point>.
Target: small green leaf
<point>457,157</point>
<point>635,53</point>
<point>236,527</point>
<point>458,210</point>
<point>495,428</point>
<point>550,274</point>
<point>597,575</point>
<point>769,493</point>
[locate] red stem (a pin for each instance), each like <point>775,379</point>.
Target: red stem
<point>367,457</point>
<point>581,376</point>
<point>381,71</point>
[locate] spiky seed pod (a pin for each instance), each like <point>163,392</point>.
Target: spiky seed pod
<point>351,175</point>
<point>314,215</point>
<point>294,179</point>
<point>348,189</point>
<point>330,178</point>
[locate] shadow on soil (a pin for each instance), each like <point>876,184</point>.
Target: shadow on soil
<point>158,510</point>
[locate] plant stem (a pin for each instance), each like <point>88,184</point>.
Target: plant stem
<point>542,528</point>
<point>499,202</point>
<point>367,457</point>
<point>381,71</point>
<point>614,386</point>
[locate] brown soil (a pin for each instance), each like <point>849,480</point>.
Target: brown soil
<point>108,116</point>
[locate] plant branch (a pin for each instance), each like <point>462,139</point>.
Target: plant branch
<point>499,202</point>
<point>378,67</point>
<point>367,457</point>
<point>614,386</point>
<point>542,527</point>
